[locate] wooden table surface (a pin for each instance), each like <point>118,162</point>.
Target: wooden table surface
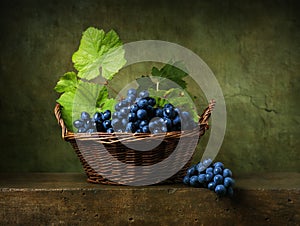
<point>67,199</point>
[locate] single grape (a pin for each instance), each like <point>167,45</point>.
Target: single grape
<point>201,178</point>
<point>134,108</point>
<point>106,115</point>
<point>85,115</point>
<point>209,176</point>
<point>227,173</point>
<point>138,131</point>
<point>159,112</point>
<point>176,121</point>
<point>130,99</point>
<point>211,185</point>
<point>169,113</point>
<point>207,162</point>
<point>145,129</point>
<point>144,94</point>
<point>142,104</point>
<point>91,131</point>
<point>209,170</point>
<point>218,179</point>
<point>218,170</point>
<point>191,171</point>
<point>186,180</point>
<point>143,123</point>
<point>151,101</point>
<point>194,181</point>
<point>229,182</point>
<point>110,130</point>
<point>123,112</point>
<point>106,124</point>
<point>98,117</point>
<point>220,190</point>
<point>200,167</point>
<point>89,124</point>
<point>219,164</point>
<point>132,117</point>
<point>81,130</point>
<point>78,123</point>
<point>131,92</point>
<point>168,106</point>
<point>142,114</point>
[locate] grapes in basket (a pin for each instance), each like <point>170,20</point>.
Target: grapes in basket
<point>137,113</point>
<point>213,176</point>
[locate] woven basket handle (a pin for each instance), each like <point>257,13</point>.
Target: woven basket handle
<point>203,120</point>
<point>60,121</point>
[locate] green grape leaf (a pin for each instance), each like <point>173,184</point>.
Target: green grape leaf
<point>104,102</point>
<point>145,83</point>
<point>172,72</point>
<point>68,82</point>
<point>84,98</point>
<point>66,107</point>
<point>99,54</point>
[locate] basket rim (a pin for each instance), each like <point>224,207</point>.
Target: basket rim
<point>68,135</point>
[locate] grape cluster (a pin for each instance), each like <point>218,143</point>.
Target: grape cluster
<point>138,113</point>
<point>215,177</point>
<point>100,122</point>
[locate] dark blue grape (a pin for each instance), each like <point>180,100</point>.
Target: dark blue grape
<point>211,186</point>
<point>106,115</point>
<point>131,92</point>
<point>186,180</point>
<point>138,131</point>
<point>110,130</point>
<point>169,112</point>
<point>129,127</point>
<point>78,123</point>
<point>191,171</point>
<point>99,127</point>
<point>134,108</point>
<point>201,178</point>
<point>132,117</point>
<point>168,106</point>
<point>194,181</point>
<point>97,117</point>
<point>143,123</point>
<point>209,176</point>
<point>200,168</point>
<point>228,182</point>
<point>219,164</point>
<point>142,103</point>
<point>145,129</point>
<point>159,112</point>
<point>209,170</point>
<point>144,94</point>
<point>218,179</point>
<point>164,129</point>
<point>91,131</point>
<point>85,115</point>
<point>227,173</point>
<point>130,99</point>
<point>142,114</point>
<point>107,124</point>
<point>151,101</point>
<point>168,123</point>
<point>220,190</point>
<point>176,121</point>
<point>218,170</point>
<point>81,130</point>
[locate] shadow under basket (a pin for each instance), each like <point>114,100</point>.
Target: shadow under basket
<point>121,158</point>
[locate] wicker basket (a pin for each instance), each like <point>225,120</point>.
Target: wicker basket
<point>92,151</point>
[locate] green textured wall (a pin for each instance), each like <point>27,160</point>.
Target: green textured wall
<point>252,48</point>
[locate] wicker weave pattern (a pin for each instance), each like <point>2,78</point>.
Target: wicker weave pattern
<point>94,146</point>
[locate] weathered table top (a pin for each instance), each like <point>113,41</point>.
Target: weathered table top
<point>66,198</point>
<point>73,181</point>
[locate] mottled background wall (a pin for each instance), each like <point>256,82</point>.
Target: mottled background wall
<point>251,46</point>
